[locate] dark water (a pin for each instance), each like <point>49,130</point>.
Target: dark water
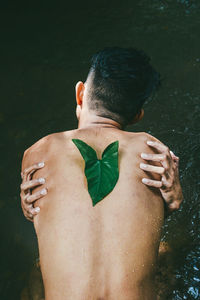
<point>44,50</point>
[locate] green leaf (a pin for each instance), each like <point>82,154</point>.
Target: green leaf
<point>102,174</point>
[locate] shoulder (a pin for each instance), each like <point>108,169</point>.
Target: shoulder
<point>30,154</point>
<point>141,136</point>
<point>41,144</point>
<point>138,140</point>
<point>44,147</point>
<point>48,141</point>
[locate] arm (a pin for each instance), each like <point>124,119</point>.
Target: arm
<point>169,185</point>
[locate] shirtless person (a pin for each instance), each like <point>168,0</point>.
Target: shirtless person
<point>105,249</point>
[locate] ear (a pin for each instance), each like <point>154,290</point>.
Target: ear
<point>138,117</point>
<point>79,92</point>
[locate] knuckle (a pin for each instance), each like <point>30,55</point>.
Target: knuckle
<point>25,171</point>
<point>35,181</point>
<point>172,173</point>
<point>162,170</point>
<point>160,184</point>
<point>28,199</point>
<point>170,184</point>
<point>30,211</point>
<point>174,206</point>
<point>174,167</point>
<point>27,202</point>
<point>166,149</point>
<point>166,168</point>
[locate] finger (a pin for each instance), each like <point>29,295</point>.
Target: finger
<point>150,168</point>
<point>32,183</point>
<point>164,158</point>
<point>34,211</point>
<point>153,157</point>
<point>165,152</point>
<point>30,211</point>
<point>28,215</point>
<point>151,182</point>
<point>167,184</point>
<point>172,154</point>
<point>27,208</point>
<point>32,169</point>
<point>158,146</point>
<point>174,206</point>
<point>32,198</point>
<point>24,194</point>
<point>24,198</point>
<point>174,157</point>
<point>29,176</point>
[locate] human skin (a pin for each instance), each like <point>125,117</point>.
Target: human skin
<point>169,185</point>
<point>104,252</point>
<point>96,252</point>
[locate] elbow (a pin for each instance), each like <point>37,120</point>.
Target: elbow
<point>174,206</point>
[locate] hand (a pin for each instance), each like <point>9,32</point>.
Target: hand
<point>27,199</point>
<point>169,185</point>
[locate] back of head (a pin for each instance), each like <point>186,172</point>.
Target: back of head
<point>120,81</point>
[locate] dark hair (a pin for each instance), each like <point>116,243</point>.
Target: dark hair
<point>122,79</point>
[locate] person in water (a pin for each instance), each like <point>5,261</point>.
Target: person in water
<point>106,190</point>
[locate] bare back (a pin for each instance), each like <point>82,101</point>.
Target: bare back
<point>107,251</point>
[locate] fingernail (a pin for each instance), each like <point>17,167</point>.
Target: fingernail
<point>144,155</point>
<point>143,165</point>
<point>150,142</point>
<point>37,209</point>
<point>43,192</point>
<point>144,180</point>
<point>41,164</point>
<point>41,180</point>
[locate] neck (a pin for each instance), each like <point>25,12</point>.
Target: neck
<point>97,121</point>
